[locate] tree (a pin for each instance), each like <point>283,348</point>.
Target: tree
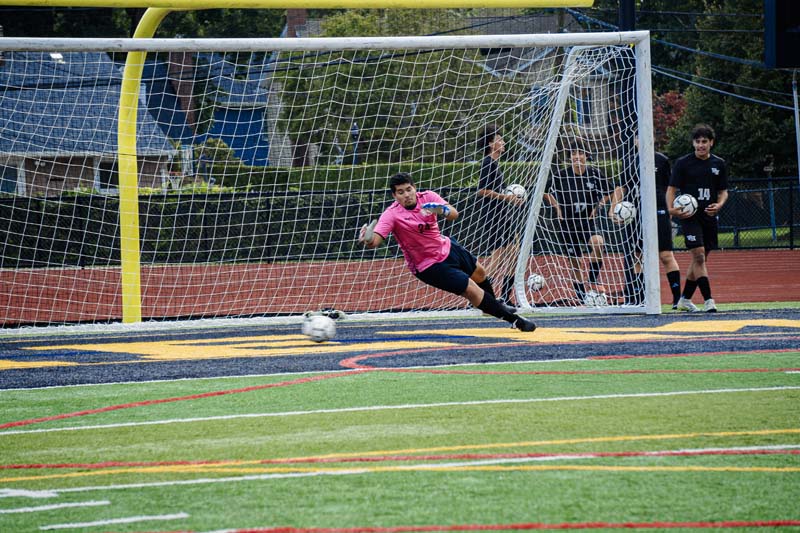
<point>747,130</point>
<point>110,22</point>
<point>668,108</point>
<point>390,106</point>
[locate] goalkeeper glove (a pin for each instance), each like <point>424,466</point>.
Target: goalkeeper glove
<point>437,209</point>
<point>367,232</point>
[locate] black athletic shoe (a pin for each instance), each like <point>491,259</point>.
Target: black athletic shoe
<point>523,324</point>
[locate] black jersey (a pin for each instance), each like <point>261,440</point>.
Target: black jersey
<point>632,184</point>
<point>702,178</point>
<point>491,176</point>
<point>663,172</point>
<point>578,195</point>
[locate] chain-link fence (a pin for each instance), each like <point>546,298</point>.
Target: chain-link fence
<point>760,213</point>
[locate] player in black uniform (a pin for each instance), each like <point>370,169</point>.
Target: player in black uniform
<point>501,212</point>
<point>634,284</point>
<point>576,193</point>
<point>704,176</point>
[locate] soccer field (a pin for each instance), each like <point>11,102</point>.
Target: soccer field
<point>654,422</point>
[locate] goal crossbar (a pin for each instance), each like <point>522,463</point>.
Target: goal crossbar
<point>323,44</point>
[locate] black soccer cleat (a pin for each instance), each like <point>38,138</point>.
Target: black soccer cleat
<point>523,324</point>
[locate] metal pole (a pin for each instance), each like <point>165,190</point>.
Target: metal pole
<point>627,15</point>
<point>797,140</point>
<point>796,121</point>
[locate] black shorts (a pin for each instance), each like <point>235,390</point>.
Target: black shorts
<point>452,274</point>
<point>700,231</point>
<point>576,235</point>
<point>664,232</point>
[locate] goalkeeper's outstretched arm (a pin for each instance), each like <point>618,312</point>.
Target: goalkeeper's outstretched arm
<point>368,237</point>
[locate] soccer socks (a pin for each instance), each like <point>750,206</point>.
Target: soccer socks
<point>705,287</point>
<point>674,280</point>
<point>594,271</point>
<point>580,290</point>
<point>491,306</point>
<point>688,289</point>
<point>486,285</point>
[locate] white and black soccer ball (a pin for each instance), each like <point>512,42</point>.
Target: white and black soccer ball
<point>319,328</point>
<point>535,282</point>
<point>595,299</point>
<point>517,190</point>
<point>686,203</point>
<point>625,212</point>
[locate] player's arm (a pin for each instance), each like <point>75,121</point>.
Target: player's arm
<point>615,198</point>
<point>670,196</point>
<point>713,209</point>
<point>368,237</point>
<point>444,210</point>
<point>551,200</point>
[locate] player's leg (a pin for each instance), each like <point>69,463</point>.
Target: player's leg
<point>710,238</point>
<point>672,273</point>
<point>573,248</point>
<point>487,303</point>
<point>671,269</point>
<point>693,236</point>
<point>596,246</point>
<point>454,275</point>
<point>482,279</point>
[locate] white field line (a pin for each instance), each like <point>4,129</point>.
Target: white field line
<point>20,493</point>
<point>399,407</point>
<point>128,520</point>
<point>286,374</point>
<point>54,506</point>
<point>360,471</point>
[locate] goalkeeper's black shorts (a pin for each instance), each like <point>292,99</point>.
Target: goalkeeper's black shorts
<point>452,274</point>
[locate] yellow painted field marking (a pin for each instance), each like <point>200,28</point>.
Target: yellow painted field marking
<point>622,334</point>
<point>295,344</point>
<point>584,440</point>
<point>182,350</point>
<point>8,364</point>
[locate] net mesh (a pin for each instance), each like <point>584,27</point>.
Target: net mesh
<point>256,170</point>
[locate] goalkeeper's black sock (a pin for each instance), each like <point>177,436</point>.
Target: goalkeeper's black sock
<point>704,286</point>
<point>594,271</point>
<point>674,280</point>
<point>580,290</point>
<point>491,306</point>
<point>486,285</point>
<point>688,288</point>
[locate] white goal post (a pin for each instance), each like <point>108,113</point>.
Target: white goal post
<point>257,160</point>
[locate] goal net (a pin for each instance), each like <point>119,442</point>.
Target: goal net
<point>257,161</point>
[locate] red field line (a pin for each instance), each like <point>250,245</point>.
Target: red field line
<point>175,399</point>
<point>395,458</point>
<point>703,354</point>
<point>528,526</point>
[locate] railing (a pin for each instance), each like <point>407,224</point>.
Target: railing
<point>760,213</point>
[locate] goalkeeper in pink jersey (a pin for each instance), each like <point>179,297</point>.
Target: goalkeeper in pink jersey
<point>434,259</point>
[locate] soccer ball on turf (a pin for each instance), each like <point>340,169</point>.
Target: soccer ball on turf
<point>319,328</point>
<point>535,282</point>
<point>686,203</point>
<point>595,299</point>
<point>625,212</point>
<point>517,190</point>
